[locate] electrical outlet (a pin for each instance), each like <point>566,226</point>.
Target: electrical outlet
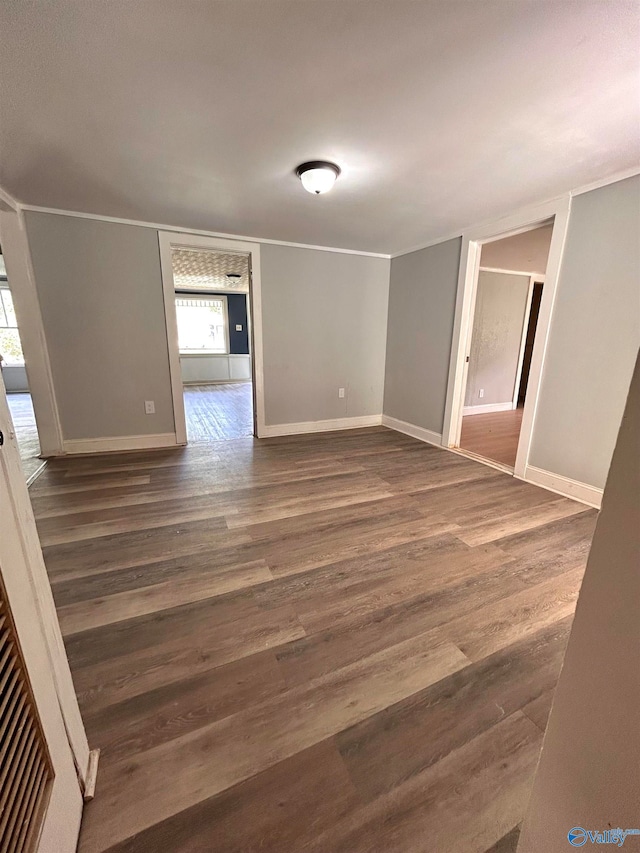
<point>149,407</point>
<point>341,392</point>
<point>238,327</point>
<point>481,393</point>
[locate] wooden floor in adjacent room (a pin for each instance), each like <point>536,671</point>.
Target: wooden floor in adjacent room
<point>493,435</point>
<point>332,643</point>
<point>218,412</point>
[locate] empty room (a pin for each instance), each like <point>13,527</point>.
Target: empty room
<point>319,426</point>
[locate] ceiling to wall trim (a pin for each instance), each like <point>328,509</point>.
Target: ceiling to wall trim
<point>614,178</point>
<point>177,229</point>
<point>477,226</point>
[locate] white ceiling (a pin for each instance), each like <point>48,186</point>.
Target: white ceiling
<point>441,113</point>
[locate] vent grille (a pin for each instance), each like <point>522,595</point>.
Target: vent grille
<point>25,767</point>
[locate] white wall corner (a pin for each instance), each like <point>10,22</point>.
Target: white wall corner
<point>114,444</point>
<point>273,430</point>
<point>565,486</point>
<point>414,431</point>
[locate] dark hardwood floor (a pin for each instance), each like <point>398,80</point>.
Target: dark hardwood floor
<point>342,642</point>
<point>493,435</point>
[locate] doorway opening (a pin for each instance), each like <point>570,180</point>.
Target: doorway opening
<point>506,290</point>
<point>209,304</point>
<point>508,296</point>
<point>14,375</point>
<point>212,302</point>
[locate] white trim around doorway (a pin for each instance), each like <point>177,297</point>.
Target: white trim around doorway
<point>166,240</point>
<point>472,242</point>
<point>21,280</point>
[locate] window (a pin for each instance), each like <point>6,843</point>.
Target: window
<point>10,346</point>
<point>202,324</point>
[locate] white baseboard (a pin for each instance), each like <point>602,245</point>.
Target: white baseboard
<point>414,431</point>
<point>272,430</point>
<point>563,486</point>
<point>33,477</point>
<point>488,407</point>
<point>120,443</point>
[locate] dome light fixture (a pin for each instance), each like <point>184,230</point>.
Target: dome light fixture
<point>318,176</point>
<point>234,277</point>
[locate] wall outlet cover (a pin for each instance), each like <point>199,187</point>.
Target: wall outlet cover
<point>238,327</point>
<point>340,392</point>
<point>149,407</point>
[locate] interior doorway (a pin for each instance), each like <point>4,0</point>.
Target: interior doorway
<point>209,303</point>
<point>509,269</point>
<point>212,313</point>
<point>15,379</point>
<point>508,296</point>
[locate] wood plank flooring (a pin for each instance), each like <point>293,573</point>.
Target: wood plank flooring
<point>493,435</point>
<point>337,642</point>
<point>218,412</point>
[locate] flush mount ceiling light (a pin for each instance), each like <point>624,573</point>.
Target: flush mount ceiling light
<point>318,176</point>
<point>234,277</point>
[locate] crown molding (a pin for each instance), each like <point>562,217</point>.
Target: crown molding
<point>198,232</point>
<point>458,233</point>
<point>480,226</point>
<point>604,182</point>
<point>7,201</point>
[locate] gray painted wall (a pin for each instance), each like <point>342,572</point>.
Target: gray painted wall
<point>325,320</point>
<point>324,328</point>
<point>100,288</point>
<point>422,299</point>
<point>595,335</point>
<point>100,293</point>
<point>498,321</point>
<point>588,771</point>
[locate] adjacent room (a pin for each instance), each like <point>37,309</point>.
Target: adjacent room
<point>16,383</point>
<point>212,317</point>
<point>319,505</point>
<point>508,297</point>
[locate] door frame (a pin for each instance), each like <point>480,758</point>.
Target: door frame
<point>34,615</point>
<point>525,328</point>
<point>20,507</point>
<point>169,239</point>
<point>472,242</point>
<point>21,279</point>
